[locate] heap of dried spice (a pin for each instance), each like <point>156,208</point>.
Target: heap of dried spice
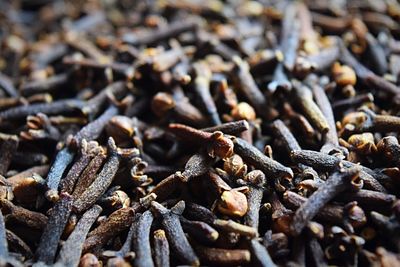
<point>207,132</point>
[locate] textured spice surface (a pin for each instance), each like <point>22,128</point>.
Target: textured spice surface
<point>202,133</point>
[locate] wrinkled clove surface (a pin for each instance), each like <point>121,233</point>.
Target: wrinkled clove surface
<point>202,133</point>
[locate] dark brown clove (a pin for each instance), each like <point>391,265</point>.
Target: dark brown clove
<point>261,255</point>
<point>71,250</point>
<point>8,147</point>
<point>3,238</point>
<point>87,152</point>
<point>161,249</point>
<point>17,245</point>
<point>47,249</point>
<point>175,234</point>
<point>40,86</point>
<point>223,257</point>
<point>7,85</point>
<point>124,253</point>
<point>141,240</point>
<point>330,212</point>
<point>232,226</point>
<point>231,128</point>
<point>255,181</point>
<point>53,108</point>
<point>156,36</point>
<point>303,97</point>
<point>331,137</point>
<point>326,162</point>
<point>253,156</point>
<point>118,221</point>
<point>93,130</point>
<point>217,144</point>
<point>88,175</point>
<point>201,231</point>
<point>201,86</point>
<point>63,159</point>
<point>249,88</point>
<point>163,104</point>
<point>290,35</point>
<point>13,213</point>
<point>335,184</point>
<point>104,179</point>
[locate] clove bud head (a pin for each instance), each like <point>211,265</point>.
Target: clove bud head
<point>162,103</point>
<point>220,146</point>
<point>233,203</point>
<point>344,75</point>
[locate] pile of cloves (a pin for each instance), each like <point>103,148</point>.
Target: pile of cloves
<point>213,133</point>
